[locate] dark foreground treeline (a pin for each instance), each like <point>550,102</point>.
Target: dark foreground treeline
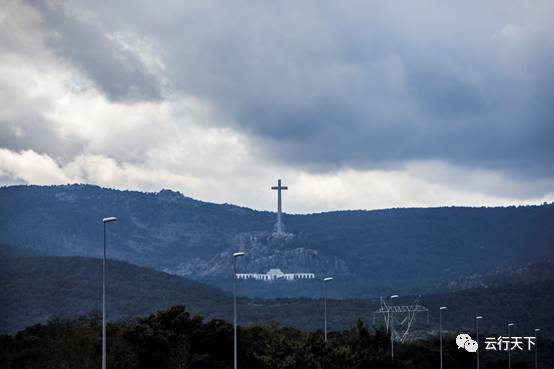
<point>176,339</point>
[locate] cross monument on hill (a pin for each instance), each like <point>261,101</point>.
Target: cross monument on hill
<point>279,188</point>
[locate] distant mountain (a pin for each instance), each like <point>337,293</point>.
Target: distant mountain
<point>370,252</point>
<point>36,289</point>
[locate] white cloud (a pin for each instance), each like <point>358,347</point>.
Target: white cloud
<point>31,167</point>
<point>414,185</point>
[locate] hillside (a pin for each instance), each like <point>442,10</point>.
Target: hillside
<point>370,252</point>
<point>36,289</point>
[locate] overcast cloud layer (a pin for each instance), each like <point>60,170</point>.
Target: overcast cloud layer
<point>355,104</point>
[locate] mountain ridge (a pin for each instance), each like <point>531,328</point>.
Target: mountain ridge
<point>176,195</point>
<point>409,250</point>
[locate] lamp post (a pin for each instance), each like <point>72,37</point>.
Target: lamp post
<point>537,330</point>
<point>104,221</point>
<point>477,319</point>
<point>440,332</point>
<point>325,281</point>
<point>510,325</point>
<point>392,329</point>
<point>235,256</point>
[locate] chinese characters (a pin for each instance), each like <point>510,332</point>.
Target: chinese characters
<point>504,343</point>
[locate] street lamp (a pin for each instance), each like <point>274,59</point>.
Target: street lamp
<point>537,330</point>
<point>104,221</point>
<point>477,319</point>
<point>392,329</point>
<point>235,256</point>
<point>510,325</point>
<point>440,331</point>
<point>325,281</point>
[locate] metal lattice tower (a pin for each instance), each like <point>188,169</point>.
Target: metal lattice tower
<point>403,315</point>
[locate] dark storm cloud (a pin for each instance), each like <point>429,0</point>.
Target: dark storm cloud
<point>445,118</point>
<point>116,71</point>
<point>363,84</point>
<point>443,92</point>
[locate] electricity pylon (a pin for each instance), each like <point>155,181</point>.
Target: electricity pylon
<point>400,318</point>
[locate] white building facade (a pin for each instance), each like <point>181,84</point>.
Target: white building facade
<point>275,274</point>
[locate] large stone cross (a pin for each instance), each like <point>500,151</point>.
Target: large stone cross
<point>279,188</point>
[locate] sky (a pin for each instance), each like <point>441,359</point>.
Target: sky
<point>353,104</point>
